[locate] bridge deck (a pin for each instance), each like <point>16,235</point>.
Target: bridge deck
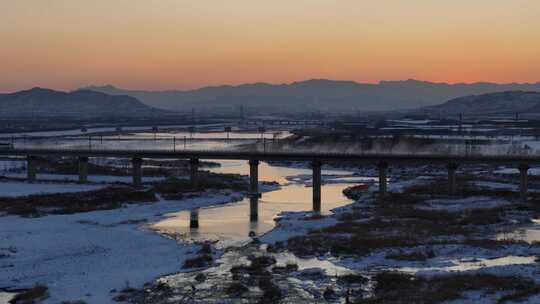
<point>281,155</point>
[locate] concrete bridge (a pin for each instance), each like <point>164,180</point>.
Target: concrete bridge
<point>381,160</point>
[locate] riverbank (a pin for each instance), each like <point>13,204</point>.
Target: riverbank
<point>73,242</point>
<point>84,256</point>
<point>417,245</point>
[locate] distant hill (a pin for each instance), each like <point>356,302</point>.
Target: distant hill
<point>316,95</point>
<point>41,102</point>
<point>508,102</point>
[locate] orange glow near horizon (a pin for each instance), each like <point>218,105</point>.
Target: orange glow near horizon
<point>182,44</point>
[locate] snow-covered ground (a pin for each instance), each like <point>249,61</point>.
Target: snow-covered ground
<point>83,256</point>
<point>513,259</point>
<point>512,171</point>
<point>468,203</point>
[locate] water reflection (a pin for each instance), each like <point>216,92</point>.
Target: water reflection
<point>177,140</point>
<point>194,219</point>
<point>234,222</point>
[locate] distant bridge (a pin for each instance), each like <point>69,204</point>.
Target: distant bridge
<point>382,160</point>
<point>284,122</point>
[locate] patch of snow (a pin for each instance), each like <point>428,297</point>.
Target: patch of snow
<point>291,224</point>
<point>515,171</point>
<point>473,264</point>
<point>5,297</point>
<point>83,256</point>
<point>473,202</point>
<point>496,185</point>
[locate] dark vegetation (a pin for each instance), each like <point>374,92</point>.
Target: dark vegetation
<point>399,227</point>
<point>394,287</point>
<point>203,258</point>
<point>114,196</point>
<point>439,188</point>
<point>416,255</point>
<point>200,261</point>
<point>256,273</point>
<point>70,165</point>
<point>398,224</point>
<point>397,221</point>
<point>67,203</point>
<point>236,289</point>
<point>175,188</point>
<point>33,295</point>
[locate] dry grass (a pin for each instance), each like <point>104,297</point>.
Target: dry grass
<point>464,188</point>
<point>399,226</point>
<point>68,203</point>
<point>199,261</point>
<point>175,188</point>
<point>33,295</point>
<point>395,287</point>
<point>417,255</point>
<point>520,295</point>
<point>236,289</point>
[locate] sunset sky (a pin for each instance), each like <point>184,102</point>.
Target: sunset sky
<point>181,44</point>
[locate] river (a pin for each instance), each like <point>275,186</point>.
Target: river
<point>230,223</point>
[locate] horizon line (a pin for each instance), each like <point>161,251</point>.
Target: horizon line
<point>269,83</point>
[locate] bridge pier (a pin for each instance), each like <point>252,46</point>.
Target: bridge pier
<point>254,177</point>
<point>83,169</point>
<point>254,190</point>
<point>383,173</point>
<point>523,182</point>
<point>316,181</point>
<point>31,171</point>
<point>194,219</point>
<point>136,167</point>
<point>254,208</point>
<point>452,184</point>
<point>194,171</point>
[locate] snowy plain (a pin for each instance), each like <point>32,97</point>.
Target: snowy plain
<point>83,256</point>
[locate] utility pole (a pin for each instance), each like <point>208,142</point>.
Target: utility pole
<point>241,113</point>
<point>460,123</point>
<point>228,130</point>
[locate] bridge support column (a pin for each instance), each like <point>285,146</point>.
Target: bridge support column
<point>194,171</point>
<point>254,177</point>
<point>31,171</point>
<point>254,208</point>
<point>523,182</point>
<point>83,169</point>
<point>452,184</point>
<point>383,173</point>
<point>194,219</point>
<point>136,167</point>
<point>316,167</point>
